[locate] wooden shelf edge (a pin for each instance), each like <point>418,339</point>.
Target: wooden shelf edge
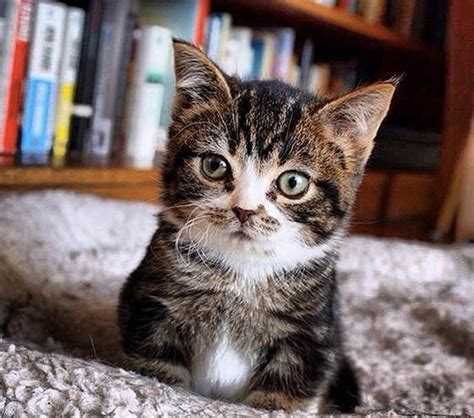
<point>44,176</point>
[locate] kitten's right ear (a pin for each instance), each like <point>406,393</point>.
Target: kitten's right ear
<point>198,79</point>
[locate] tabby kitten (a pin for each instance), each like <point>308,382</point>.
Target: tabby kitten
<point>236,296</point>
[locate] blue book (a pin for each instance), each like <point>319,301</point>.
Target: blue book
<point>258,47</point>
<point>42,79</point>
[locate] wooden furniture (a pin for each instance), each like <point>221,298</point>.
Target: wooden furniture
<point>459,99</point>
<point>390,203</point>
<point>378,211</point>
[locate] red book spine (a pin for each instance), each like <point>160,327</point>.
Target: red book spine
<point>343,4</point>
<point>202,13</point>
<point>16,75</point>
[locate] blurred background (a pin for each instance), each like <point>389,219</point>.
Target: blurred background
<point>85,90</point>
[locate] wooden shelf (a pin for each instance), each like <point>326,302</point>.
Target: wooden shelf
<point>112,181</point>
<point>331,22</point>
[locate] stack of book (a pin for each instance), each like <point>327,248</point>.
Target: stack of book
<point>271,54</point>
<point>90,77</point>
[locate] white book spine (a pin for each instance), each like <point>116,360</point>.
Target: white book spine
<point>146,95</point>
<point>67,77</point>
<point>72,45</point>
<point>42,78</point>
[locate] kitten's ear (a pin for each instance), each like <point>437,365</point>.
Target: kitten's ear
<point>355,117</point>
<point>198,79</point>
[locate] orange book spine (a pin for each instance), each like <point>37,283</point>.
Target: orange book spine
<point>17,71</point>
<point>203,12</point>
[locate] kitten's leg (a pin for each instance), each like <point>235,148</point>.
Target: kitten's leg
<point>273,401</point>
<point>166,372</point>
<point>150,340</point>
<point>292,379</point>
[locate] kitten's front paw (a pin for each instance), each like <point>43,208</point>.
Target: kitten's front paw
<point>276,401</point>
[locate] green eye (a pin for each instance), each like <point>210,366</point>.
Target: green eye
<point>293,184</point>
<point>214,167</point>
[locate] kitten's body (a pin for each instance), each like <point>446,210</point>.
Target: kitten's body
<point>236,296</point>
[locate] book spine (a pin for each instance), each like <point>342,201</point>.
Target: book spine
<point>258,47</point>
<point>67,79</point>
<point>213,36</point>
<point>147,95</point>
<point>7,13</point>
<point>284,52</point>
<point>82,109</point>
<point>123,82</point>
<point>306,62</point>
<point>15,75</point>
<point>269,56</point>
<point>112,39</point>
<point>201,18</point>
<point>42,79</point>
<point>226,25</point>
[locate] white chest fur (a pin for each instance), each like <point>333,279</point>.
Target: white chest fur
<point>220,371</point>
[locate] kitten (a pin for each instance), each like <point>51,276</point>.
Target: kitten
<point>236,297</point>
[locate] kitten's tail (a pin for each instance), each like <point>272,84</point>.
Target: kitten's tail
<point>344,392</point>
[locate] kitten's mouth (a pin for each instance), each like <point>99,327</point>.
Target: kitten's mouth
<point>241,234</point>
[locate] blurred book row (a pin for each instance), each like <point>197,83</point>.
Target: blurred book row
<point>421,19</point>
<point>94,78</point>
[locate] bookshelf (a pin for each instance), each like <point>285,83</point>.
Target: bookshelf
<point>335,24</point>
<point>390,203</point>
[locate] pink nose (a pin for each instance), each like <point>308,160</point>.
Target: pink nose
<point>243,214</point>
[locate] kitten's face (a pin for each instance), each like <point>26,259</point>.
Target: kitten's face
<point>261,174</point>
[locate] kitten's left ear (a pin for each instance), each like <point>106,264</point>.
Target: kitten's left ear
<point>355,117</point>
<point>198,79</point>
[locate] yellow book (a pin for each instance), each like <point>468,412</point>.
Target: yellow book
<point>67,81</point>
<point>63,118</point>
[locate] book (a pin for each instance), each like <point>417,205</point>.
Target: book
<point>7,11</point>
<point>213,34</point>
<point>238,53</point>
<point>374,10</point>
<point>111,46</point>
<point>348,5</point>
<point>146,96</point>
<point>67,79</point>
<point>285,39</point>
<point>294,72</point>
<point>185,18</point>
<point>124,79</point>
<point>14,58</point>
<point>401,15</point>
<point>83,97</point>
<point>201,19</point>
<point>263,47</point>
<point>225,28</point>
<point>42,78</point>
<point>319,79</point>
<point>306,61</point>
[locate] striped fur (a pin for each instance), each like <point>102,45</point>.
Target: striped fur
<point>247,311</point>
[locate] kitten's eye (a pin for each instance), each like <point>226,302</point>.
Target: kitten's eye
<point>214,167</point>
<point>293,184</point>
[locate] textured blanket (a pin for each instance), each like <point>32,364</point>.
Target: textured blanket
<point>408,314</point>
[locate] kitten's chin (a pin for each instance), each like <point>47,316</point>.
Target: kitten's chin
<point>241,235</point>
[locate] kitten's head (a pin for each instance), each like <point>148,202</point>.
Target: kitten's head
<point>259,173</point>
